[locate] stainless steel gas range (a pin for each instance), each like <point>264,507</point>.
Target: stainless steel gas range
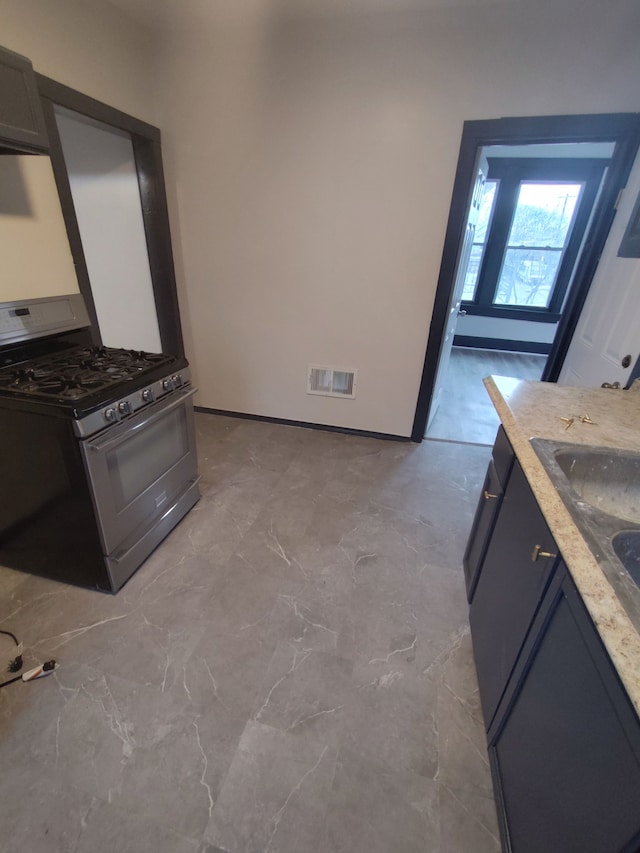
<point>97,447</point>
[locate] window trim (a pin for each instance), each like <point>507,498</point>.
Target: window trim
<point>510,172</point>
<point>530,313</point>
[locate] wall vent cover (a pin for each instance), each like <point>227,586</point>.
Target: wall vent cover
<point>331,381</point>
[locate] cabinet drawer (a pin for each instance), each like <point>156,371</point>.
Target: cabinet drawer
<point>488,506</point>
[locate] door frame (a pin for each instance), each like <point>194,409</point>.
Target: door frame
<point>145,139</point>
<point>621,128</point>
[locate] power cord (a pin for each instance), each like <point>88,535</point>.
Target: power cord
<point>37,672</point>
<point>16,665</point>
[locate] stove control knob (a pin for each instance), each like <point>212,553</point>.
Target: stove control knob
<point>147,396</point>
<point>111,415</point>
<point>124,408</point>
<point>177,380</point>
<point>167,384</point>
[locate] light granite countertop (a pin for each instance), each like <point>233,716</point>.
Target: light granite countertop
<point>536,409</point>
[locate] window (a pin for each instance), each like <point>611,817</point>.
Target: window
<point>530,227</point>
<point>544,214</point>
<point>479,240</point>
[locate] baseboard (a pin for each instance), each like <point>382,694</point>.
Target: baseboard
<point>532,347</point>
<point>363,433</point>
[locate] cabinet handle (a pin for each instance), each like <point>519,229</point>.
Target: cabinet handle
<point>488,495</point>
<point>538,552</point>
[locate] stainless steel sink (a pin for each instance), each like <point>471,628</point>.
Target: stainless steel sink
<point>606,479</point>
<point>626,545</point>
<point>600,488</point>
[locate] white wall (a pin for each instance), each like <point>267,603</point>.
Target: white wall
<point>477,326</point>
<point>35,255</point>
<point>310,165</point>
<point>87,45</point>
<point>99,51</point>
<point>106,197</point>
<point>313,163</point>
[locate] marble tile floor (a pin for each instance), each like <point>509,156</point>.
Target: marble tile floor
<point>289,672</point>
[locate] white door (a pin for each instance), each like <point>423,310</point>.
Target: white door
<point>608,331</point>
<point>475,200</point>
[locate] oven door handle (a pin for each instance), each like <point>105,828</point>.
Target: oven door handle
<point>130,429</point>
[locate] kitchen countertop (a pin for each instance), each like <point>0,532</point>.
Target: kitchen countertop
<point>534,409</point>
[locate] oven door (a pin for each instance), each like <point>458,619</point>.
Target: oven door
<point>140,467</point>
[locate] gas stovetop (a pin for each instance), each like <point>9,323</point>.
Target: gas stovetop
<point>81,375</point>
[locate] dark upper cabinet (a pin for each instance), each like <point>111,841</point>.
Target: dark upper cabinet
<point>22,127</point>
<point>516,570</point>
<point>565,745</point>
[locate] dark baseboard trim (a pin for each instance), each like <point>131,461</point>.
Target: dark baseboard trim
<point>501,344</point>
<point>362,433</point>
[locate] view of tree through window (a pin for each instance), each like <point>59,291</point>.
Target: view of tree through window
<point>539,232</point>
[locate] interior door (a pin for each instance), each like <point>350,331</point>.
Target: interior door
<point>456,296</point>
<point>606,343</point>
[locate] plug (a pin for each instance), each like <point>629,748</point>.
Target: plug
<point>16,664</point>
<point>40,671</point>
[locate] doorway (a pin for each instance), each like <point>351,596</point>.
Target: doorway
<point>535,284</point>
<point>534,207</point>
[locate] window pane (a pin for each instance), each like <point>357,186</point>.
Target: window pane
<point>479,240</point>
<point>486,209</point>
<point>539,231</point>
<point>471,276</point>
<point>527,277</point>
<point>543,214</point>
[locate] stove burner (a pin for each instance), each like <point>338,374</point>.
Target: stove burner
<point>51,385</point>
<point>78,373</point>
<point>95,357</point>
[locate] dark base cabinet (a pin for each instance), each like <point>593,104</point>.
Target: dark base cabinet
<point>482,528</point>
<point>562,734</point>
<point>514,575</point>
<point>565,747</point>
